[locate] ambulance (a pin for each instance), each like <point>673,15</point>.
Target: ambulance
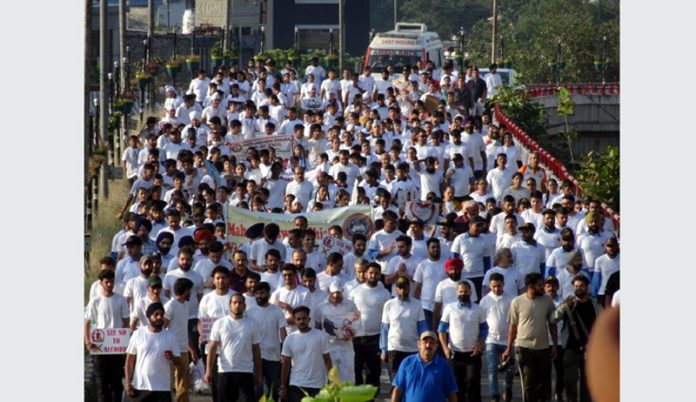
<point>405,45</point>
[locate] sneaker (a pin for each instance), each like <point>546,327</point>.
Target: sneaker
<point>495,398</point>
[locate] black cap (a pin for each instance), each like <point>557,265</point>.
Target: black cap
<point>133,241</point>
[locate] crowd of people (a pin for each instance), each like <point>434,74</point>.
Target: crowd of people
<point>512,266</point>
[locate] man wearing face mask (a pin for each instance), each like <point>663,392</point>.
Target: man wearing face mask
<point>464,323</point>
<point>446,290</point>
<point>558,259</point>
<point>579,312</point>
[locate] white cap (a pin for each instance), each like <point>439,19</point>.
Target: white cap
<point>216,96</point>
<point>171,107</point>
<point>336,286</point>
<point>170,88</point>
<point>195,115</point>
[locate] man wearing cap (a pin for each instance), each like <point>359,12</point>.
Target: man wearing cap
<point>129,266</point>
<point>425,376</point>
<point>136,288</point>
<point>462,331</point>
<point>446,289</point>
<point>172,98</point>
<point>150,354</point>
<point>108,310</point>
<point>215,109</point>
<point>336,317</point>
<point>402,321</point>
<point>139,316</point>
<point>558,259</point>
<point>530,323</point>
<point>471,247</point>
<point>528,255</point>
<point>202,130</point>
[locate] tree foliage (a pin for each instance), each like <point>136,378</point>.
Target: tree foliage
<point>530,31</point>
<point>599,176</point>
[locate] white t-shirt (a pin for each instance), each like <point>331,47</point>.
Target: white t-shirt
<point>152,369</point>
<point>205,267</point>
<point>463,325</point>
<point>324,280</point>
<point>548,240</point>
<point>235,338</point>
<point>178,313</point>
<point>370,303</point>
<point>269,320</point>
<point>592,246</point>
<point>299,296</point>
<point>496,309</point>
<point>559,259</point>
<point>394,264</point>
<point>307,352</point>
<point>276,188</point>
<point>527,258</point>
<point>402,318</point>
<point>606,266</point>
<point>499,180</point>
<point>195,277</point>
<point>381,240</point>
<point>302,191</point>
<point>107,312</point>
<point>260,247</point>
<point>513,281</point>
<point>140,310</point>
<point>472,251</point>
<point>330,311</point>
<point>429,273</point>
<point>136,289</point>
<point>474,143</point>
<point>446,291</point>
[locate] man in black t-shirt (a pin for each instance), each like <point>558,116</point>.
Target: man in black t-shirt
<point>477,89</point>
<point>578,312</point>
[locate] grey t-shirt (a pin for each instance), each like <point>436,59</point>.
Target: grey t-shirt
<point>531,317</point>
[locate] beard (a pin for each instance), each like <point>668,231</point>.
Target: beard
<point>464,298</point>
<point>455,277</point>
<point>580,293</point>
<point>261,301</point>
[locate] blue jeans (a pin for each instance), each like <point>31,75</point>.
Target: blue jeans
<point>429,319</point>
<point>493,356</point>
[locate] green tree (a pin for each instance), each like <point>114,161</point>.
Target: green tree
<point>599,176</point>
<point>566,108</point>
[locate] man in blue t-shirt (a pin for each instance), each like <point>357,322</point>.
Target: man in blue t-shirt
<point>424,376</point>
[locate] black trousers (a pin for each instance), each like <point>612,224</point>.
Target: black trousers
<point>395,358</point>
<point>574,362</point>
<point>467,373</point>
<point>231,385</point>
<point>535,373</point>
<point>367,356</point>
<point>152,396</point>
<point>295,394</point>
<point>559,386</point>
<point>478,285</point>
<point>109,370</point>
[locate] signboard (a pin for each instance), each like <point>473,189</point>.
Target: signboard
<point>206,327</point>
<point>211,12</point>
<point>355,219</point>
<point>281,143</point>
<point>109,341</point>
<point>394,52</point>
<point>342,326</point>
<point>332,244</point>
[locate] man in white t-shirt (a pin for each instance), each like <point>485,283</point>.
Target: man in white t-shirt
<point>382,244</point>
<point>336,316</point>
<point>270,322</point>
<point>527,254</point>
<point>514,282</point>
<point>403,265</point>
<point>402,322</point>
<point>108,310</point>
<point>496,305</point>
<point>429,273</point>
<point>446,289</point>
<point>369,298</point>
<point>305,359</point>
<point>235,340</point>
<point>176,315</point>
<point>493,81</point>
<point>150,353</point>
<point>472,248</point>
<point>290,296</point>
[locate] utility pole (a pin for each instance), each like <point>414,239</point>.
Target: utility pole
<point>122,35</point>
<point>103,105</point>
<point>395,4</point>
<point>341,33</point>
<point>493,34</point>
<point>151,18</point>
<point>86,83</point>
<point>228,25</point>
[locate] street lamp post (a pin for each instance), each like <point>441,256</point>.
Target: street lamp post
<point>602,64</point>
<point>263,39</point>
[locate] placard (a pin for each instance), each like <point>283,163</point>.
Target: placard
<point>109,341</point>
